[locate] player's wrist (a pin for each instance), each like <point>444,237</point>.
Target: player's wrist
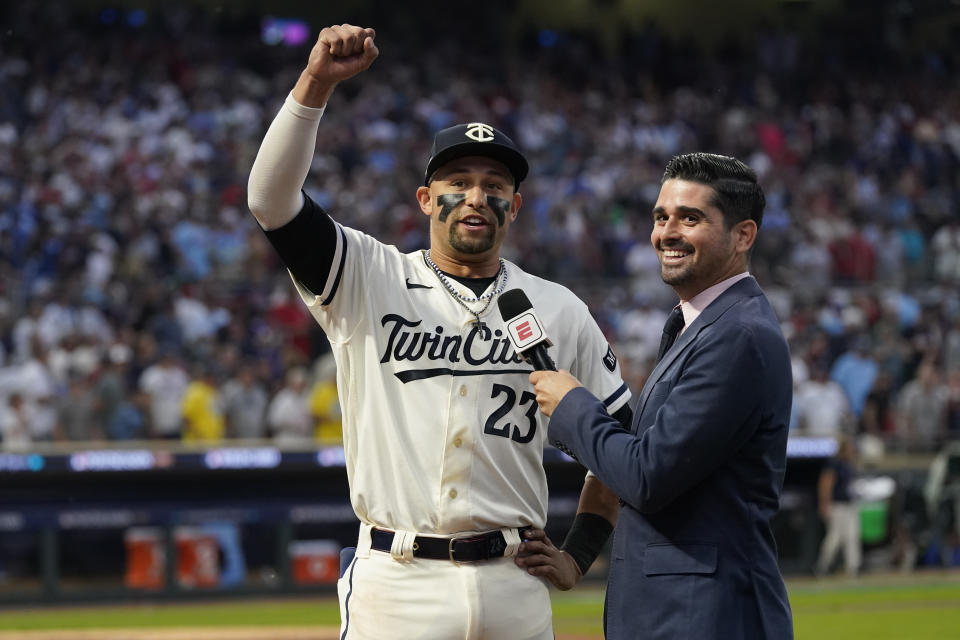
<point>313,91</point>
<point>586,538</point>
<point>573,561</point>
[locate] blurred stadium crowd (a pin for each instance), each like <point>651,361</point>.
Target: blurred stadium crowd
<point>138,298</point>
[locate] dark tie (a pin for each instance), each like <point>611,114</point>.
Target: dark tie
<point>671,329</point>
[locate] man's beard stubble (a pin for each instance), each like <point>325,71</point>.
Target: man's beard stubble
<point>474,246</point>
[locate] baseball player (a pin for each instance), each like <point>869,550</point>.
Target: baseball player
<point>442,434</point>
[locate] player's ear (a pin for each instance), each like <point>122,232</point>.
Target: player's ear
<point>515,209</point>
<point>423,197</point>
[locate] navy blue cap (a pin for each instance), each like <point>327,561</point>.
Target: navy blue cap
<point>475,139</point>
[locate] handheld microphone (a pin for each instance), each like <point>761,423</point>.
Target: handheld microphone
<point>526,331</point>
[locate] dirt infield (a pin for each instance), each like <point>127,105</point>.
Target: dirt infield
<point>193,633</point>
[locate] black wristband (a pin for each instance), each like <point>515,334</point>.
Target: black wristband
<point>585,539</point>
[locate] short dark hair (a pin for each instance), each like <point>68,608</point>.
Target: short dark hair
<point>737,193</point>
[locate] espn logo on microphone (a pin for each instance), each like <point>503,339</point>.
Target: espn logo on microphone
<point>525,331</point>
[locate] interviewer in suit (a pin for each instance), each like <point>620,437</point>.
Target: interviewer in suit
<point>700,472</point>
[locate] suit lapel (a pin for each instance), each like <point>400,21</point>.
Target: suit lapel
<point>746,288</point>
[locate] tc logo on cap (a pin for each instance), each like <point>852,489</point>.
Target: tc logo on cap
<point>480,132</point>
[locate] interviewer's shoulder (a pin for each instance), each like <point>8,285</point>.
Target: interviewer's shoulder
<point>757,318</point>
<point>758,312</point>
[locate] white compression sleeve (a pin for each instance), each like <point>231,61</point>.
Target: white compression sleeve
<point>281,166</point>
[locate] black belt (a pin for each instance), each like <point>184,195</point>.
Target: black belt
<point>469,549</point>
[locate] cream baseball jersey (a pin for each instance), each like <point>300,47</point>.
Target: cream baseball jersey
<point>442,433</point>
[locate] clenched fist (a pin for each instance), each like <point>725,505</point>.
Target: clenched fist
<point>341,52</point>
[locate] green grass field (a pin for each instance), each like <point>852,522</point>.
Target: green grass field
<point>916,607</point>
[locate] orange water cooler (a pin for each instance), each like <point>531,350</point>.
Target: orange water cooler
<point>314,561</point>
<point>146,560</point>
<point>198,558</point>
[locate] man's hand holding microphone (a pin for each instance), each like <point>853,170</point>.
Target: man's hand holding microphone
<point>531,342</point>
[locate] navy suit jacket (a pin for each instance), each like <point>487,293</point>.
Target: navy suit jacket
<point>699,478</point>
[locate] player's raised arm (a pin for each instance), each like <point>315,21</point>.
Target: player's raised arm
<point>281,166</point>
<point>303,234</point>
<point>341,52</point>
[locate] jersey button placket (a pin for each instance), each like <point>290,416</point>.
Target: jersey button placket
<point>462,416</point>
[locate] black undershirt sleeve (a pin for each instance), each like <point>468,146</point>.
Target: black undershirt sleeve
<point>306,245</point>
<point>624,416</point>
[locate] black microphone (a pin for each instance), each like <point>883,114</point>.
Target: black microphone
<point>526,331</point>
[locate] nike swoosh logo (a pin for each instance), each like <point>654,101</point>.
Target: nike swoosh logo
<point>414,285</point>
